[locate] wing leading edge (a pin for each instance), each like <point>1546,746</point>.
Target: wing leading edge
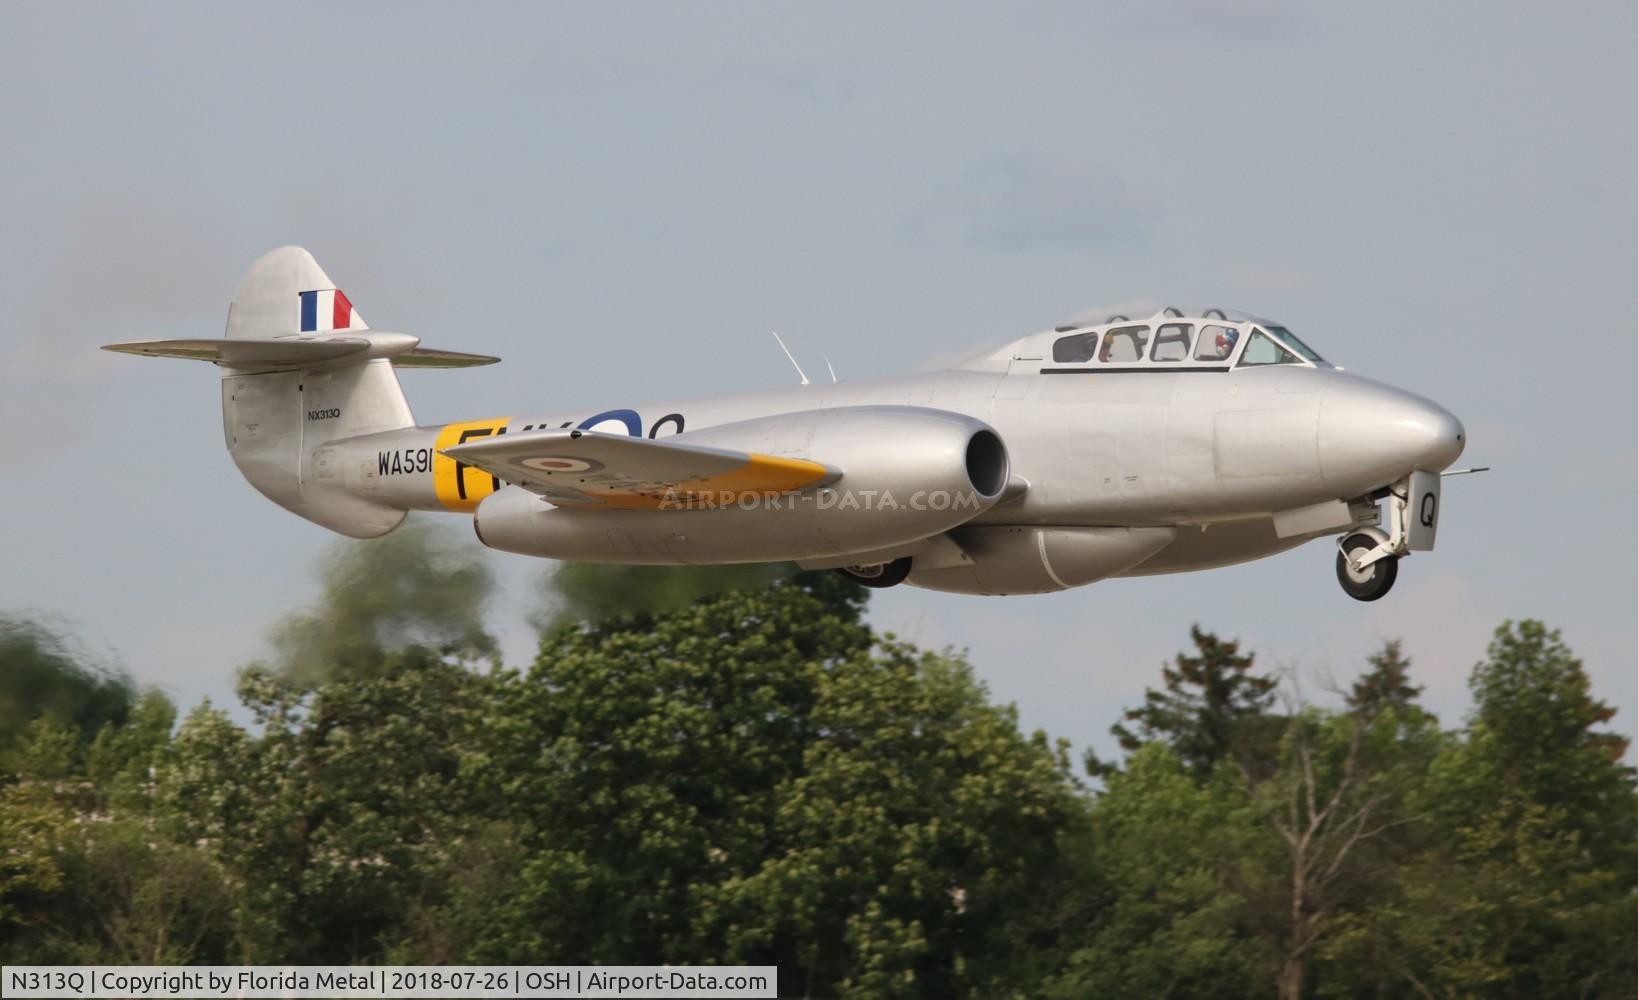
<point>576,468</point>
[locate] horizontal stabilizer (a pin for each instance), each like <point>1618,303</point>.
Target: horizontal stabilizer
<point>267,353</point>
<point>247,352</point>
<point>575,468</point>
<point>426,357</point>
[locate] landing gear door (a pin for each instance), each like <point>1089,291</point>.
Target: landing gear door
<point>1423,515</point>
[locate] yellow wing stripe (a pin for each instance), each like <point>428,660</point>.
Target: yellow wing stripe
<point>760,477</point>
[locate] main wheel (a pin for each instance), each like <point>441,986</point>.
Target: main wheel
<point>1369,583</point>
<point>887,574</point>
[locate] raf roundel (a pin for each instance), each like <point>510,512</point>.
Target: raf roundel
<point>562,463</point>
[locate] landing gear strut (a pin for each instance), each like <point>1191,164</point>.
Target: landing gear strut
<point>879,575</point>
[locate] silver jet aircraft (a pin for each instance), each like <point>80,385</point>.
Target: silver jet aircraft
<point>1134,446</point>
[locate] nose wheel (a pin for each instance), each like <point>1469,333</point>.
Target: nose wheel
<point>1369,581</point>
<point>879,575</point>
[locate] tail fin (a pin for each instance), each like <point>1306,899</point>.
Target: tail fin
<point>286,293</point>
<point>278,424</point>
<point>302,370</point>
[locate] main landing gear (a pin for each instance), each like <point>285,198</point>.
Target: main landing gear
<point>888,574</point>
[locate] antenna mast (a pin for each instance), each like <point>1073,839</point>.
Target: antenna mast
<point>788,354</point>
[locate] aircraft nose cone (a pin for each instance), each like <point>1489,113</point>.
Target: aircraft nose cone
<point>1371,435</point>
<point>1435,435</point>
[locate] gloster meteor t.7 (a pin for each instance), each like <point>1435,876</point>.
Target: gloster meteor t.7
<point>1134,446</point>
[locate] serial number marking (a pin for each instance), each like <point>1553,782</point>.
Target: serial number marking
<point>407,461</point>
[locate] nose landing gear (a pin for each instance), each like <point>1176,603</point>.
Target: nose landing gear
<point>1368,557</point>
<point>1364,581</point>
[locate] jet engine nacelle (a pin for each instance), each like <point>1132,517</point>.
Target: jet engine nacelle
<point>906,473</point>
<point>1017,559</point>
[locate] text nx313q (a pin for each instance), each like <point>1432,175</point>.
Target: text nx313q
<point>1138,445</point>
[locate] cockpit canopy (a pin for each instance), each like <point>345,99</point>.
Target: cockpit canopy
<point>1171,339</point>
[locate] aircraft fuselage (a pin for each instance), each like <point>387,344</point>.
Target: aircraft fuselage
<point>1223,447</point>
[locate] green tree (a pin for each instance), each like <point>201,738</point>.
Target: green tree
<point>1210,705</point>
<point>43,675</point>
<point>745,780</point>
<point>1386,684</point>
<point>637,750</point>
<point>1516,879</point>
<point>598,592</point>
<point>1227,880</point>
<point>77,743</point>
<point>334,820</point>
<point>121,759</point>
<point>1341,805</point>
<point>1524,886</point>
<point>33,823</point>
<point>915,852</point>
<point>1535,732</point>
<point>1164,869</point>
<point>135,897</point>
<point>1499,903</point>
<point>102,879</point>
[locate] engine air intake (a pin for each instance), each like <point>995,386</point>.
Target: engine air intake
<point>987,463</point>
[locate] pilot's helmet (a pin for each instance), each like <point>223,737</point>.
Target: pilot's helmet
<point>1226,339</point>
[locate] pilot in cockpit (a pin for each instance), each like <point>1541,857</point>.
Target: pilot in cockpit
<point>1226,338</point>
<point>1088,343</point>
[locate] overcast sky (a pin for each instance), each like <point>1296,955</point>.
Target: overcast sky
<point>623,200</point>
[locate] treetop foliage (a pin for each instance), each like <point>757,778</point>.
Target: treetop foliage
<point>45,677</point>
<point>739,769</point>
<point>593,594</point>
<point>1386,684</point>
<point>1209,704</point>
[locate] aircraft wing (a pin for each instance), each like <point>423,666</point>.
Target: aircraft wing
<point>577,468</point>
